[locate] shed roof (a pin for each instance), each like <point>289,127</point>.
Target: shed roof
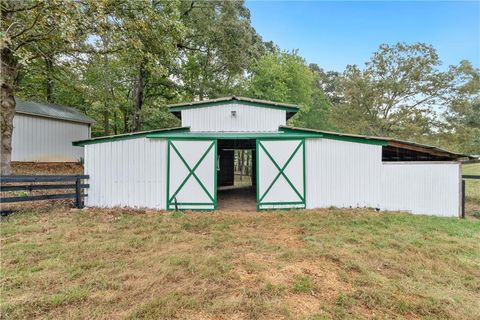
<point>385,141</point>
<point>256,102</point>
<point>50,110</point>
<point>284,132</point>
<point>126,136</point>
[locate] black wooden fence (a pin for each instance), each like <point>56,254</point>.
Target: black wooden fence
<point>72,183</point>
<point>464,177</point>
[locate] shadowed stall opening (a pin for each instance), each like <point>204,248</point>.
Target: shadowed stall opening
<point>236,178</point>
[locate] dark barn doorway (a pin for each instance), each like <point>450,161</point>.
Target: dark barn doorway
<point>236,176</point>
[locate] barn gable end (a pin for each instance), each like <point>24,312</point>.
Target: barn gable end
<point>233,114</point>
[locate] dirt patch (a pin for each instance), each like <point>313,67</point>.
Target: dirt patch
<point>36,168</point>
<point>237,199</point>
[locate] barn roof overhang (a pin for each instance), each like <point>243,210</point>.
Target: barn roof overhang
<point>284,132</point>
<point>127,136</point>
<point>385,141</point>
<point>176,109</point>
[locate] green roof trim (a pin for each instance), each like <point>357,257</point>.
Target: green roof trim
<point>340,136</point>
<point>229,100</point>
<point>285,132</point>
<point>127,136</point>
<point>233,135</point>
<point>381,141</point>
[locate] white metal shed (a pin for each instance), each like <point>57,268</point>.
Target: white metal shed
<point>294,167</point>
<point>44,132</point>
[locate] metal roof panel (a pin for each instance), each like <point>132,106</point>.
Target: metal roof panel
<point>50,110</point>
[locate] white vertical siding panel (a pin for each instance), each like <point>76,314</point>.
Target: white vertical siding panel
<point>86,169</point>
<point>342,174</point>
<point>247,119</point>
<point>47,140</point>
<point>128,173</point>
<point>421,188</point>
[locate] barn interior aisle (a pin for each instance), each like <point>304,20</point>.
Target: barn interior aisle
<point>236,178</point>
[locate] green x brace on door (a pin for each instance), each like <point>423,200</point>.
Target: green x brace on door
<point>192,174</point>
<point>280,174</point>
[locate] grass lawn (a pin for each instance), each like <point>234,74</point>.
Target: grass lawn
<point>66,263</point>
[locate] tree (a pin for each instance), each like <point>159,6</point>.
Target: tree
<point>150,32</point>
<point>281,77</point>
<point>329,83</point>
<point>218,48</point>
<point>395,94</point>
<point>27,27</point>
<point>460,130</point>
<point>284,77</point>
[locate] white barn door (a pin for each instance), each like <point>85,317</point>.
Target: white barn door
<point>280,174</point>
<point>192,174</point>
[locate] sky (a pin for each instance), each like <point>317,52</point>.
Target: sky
<point>334,34</point>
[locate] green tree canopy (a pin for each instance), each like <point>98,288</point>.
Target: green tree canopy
<point>284,77</point>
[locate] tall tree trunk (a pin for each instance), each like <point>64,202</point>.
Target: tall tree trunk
<point>125,121</point>
<point>115,125</point>
<point>106,122</point>
<point>138,96</point>
<point>49,77</point>
<point>106,115</point>
<point>204,76</point>
<point>242,163</point>
<point>9,69</point>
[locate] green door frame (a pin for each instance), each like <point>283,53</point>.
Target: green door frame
<point>170,200</point>
<point>280,173</point>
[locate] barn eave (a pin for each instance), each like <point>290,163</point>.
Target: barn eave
<point>126,136</point>
<point>433,152</point>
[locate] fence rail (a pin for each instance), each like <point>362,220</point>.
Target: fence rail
<point>465,177</point>
<point>470,176</point>
<point>25,183</point>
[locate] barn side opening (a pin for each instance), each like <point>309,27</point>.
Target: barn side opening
<point>398,152</point>
<point>236,178</point>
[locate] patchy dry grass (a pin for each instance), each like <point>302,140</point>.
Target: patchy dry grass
<point>322,264</point>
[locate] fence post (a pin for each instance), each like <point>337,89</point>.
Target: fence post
<point>78,193</point>
<point>463,199</point>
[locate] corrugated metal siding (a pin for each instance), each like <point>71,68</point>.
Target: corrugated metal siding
<point>219,118</point>
<point>345,174</point>
<point>46,140</point>
<point>421,188</point>
<point>342,174</point>
<point>128,173</point>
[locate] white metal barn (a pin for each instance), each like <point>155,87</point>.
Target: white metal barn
<point>188,167</point>
<point>44,132</point>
